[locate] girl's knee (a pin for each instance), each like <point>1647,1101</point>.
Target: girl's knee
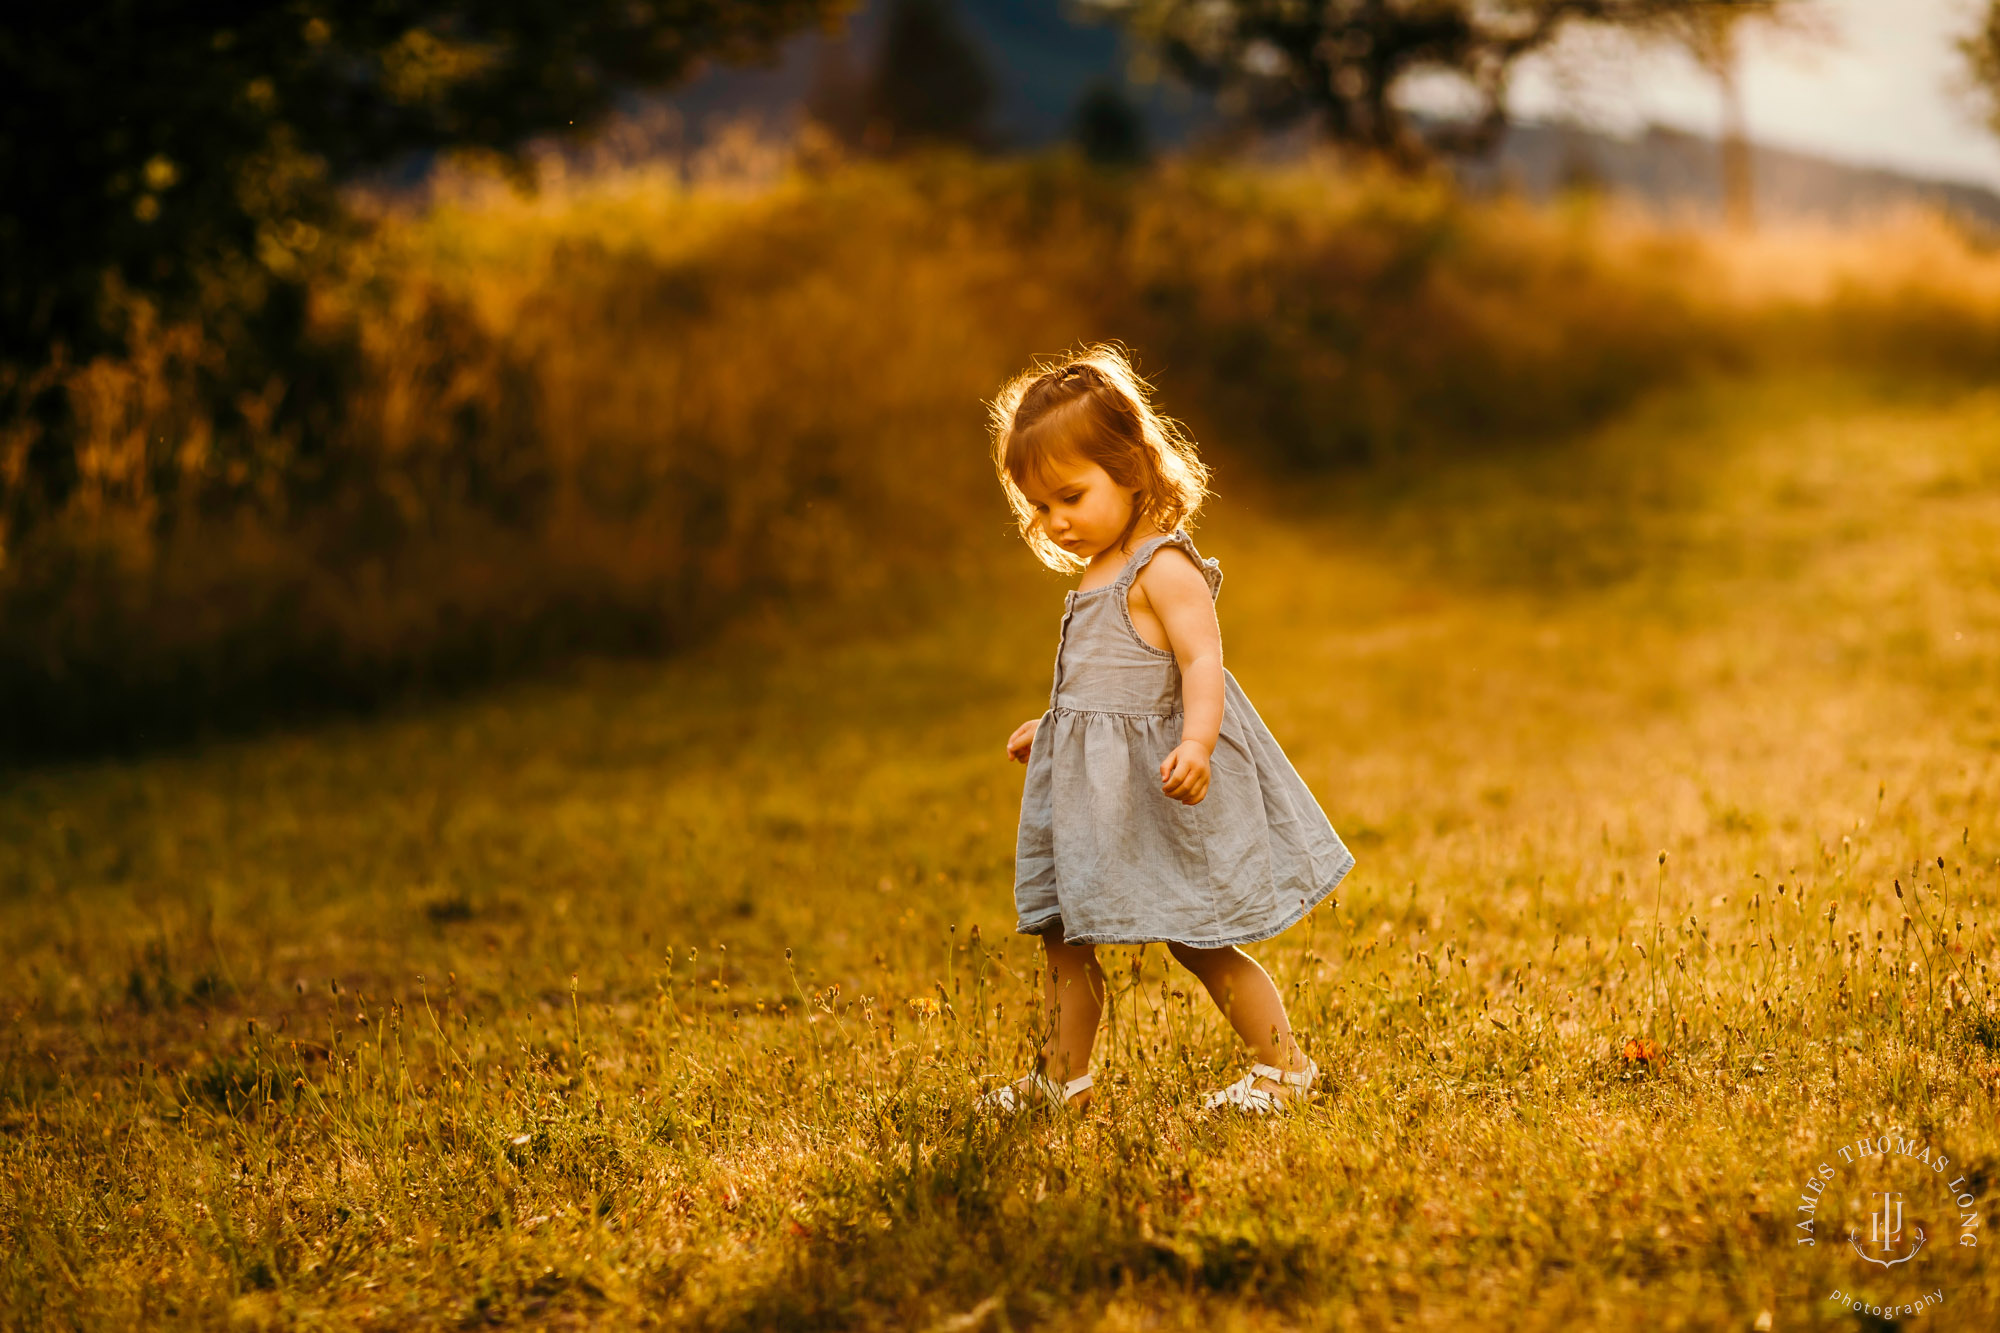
<point>1200,960</point>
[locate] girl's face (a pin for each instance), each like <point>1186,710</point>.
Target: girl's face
<point>1079,506</point>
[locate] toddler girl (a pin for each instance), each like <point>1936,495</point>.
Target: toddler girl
<point>1158,806</point>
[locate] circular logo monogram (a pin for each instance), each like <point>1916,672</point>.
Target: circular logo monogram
<point>1902,1214</point>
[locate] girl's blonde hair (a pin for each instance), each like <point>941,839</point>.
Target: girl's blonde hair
<point>1093,405</point>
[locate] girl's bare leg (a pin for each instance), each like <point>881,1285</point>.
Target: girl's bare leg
<point>1073,992</point>
<point>1249,999</point>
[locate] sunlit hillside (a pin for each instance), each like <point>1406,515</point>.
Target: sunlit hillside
<point>616,415</point>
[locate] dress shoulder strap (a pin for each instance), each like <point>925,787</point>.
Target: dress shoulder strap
<point>1210,568</point>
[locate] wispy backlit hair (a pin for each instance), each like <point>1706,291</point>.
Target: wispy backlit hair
<point>1093,406</point>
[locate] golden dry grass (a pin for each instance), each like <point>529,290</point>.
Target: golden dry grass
<point>611,416</point>
<point>485,1014</point>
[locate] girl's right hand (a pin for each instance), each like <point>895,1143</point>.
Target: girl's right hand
<point>1023,740</point>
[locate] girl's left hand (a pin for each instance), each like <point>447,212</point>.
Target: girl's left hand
<point>1184,773</point>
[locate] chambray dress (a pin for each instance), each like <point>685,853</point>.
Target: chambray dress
<point>1103,855</point>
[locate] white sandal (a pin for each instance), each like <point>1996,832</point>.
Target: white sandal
<point>1008,1099</point>
<point>1245,1095</point>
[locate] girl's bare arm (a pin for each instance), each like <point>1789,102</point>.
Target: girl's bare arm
<point>1176,592</point>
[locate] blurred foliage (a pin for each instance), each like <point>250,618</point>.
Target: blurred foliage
<point>161,164</point>
<point>615,415</point>
<point>1981,49</point>
<point>926,82</point>
<point>1274,61</point>
<point>1108,127</point>
<point>930,81</point>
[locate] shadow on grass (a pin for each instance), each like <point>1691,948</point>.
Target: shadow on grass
<point>1055,1252</point>
<point>964,1222</point>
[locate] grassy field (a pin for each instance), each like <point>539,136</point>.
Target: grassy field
<point>658,994</point>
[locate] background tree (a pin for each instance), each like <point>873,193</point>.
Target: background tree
<point>1981,49</point>
<point>1341,61</point>
<point>1713,36</point>
<point>1108,128</point>
<point>837,97</point>
<point>189,155</point>
<point>930,83</point>
<point>1714,39</point>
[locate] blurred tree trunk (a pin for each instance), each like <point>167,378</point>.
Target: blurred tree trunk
<point>1712,39</point>
<point>1738,190</point>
